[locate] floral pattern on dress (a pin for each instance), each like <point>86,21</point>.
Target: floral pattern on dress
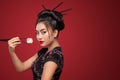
<point>54,55</point>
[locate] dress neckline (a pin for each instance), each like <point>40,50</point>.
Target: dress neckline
<point>57,47</point>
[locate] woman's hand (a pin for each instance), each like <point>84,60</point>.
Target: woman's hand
<point>19,65</point>
<point>12,43</point>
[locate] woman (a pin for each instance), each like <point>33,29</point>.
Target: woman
<point>47,63</point>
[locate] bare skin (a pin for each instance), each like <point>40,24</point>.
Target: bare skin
<point>49,40</point>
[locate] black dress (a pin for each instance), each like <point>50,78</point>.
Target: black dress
<point>55,55</point>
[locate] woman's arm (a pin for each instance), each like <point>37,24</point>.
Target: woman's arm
<point>20,66</point>
<point>49,70</point>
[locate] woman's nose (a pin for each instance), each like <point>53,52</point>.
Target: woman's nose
<point>39,37</point>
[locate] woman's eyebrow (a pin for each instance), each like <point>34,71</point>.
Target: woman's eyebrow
<point>42,29</point>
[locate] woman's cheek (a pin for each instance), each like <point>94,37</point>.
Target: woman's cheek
<point>46,35</point>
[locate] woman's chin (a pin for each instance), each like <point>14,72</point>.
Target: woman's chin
<point>42,45</point>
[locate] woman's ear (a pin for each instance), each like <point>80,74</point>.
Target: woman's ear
<point>55,33</point>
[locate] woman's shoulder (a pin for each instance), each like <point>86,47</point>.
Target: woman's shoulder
<point>57,51</point>
<point>56,56</point>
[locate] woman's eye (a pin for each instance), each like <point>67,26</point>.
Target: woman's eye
<point>44,32</point>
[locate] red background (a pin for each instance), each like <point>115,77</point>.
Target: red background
<point>90,40</point>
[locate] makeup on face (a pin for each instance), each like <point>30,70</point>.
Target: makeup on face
<point>44,34</point>
<point>41,42</point>
<point>41,33</point>
<point>41,30</point>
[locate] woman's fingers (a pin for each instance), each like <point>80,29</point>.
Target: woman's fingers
<point>14,42</point>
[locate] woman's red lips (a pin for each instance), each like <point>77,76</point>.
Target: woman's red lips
<point>41,42</point>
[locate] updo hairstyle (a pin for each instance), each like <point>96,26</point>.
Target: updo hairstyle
<point>51,18</point>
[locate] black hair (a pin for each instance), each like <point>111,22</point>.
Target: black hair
<point>51,18</point>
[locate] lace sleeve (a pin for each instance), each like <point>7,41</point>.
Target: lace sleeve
<point>55,56</point>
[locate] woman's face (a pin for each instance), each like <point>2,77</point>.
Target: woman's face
<point>44,34</point>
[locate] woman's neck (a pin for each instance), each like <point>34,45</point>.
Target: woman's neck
<point>53,45</point>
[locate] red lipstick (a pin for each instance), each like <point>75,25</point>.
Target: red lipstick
<point>41,42</point>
